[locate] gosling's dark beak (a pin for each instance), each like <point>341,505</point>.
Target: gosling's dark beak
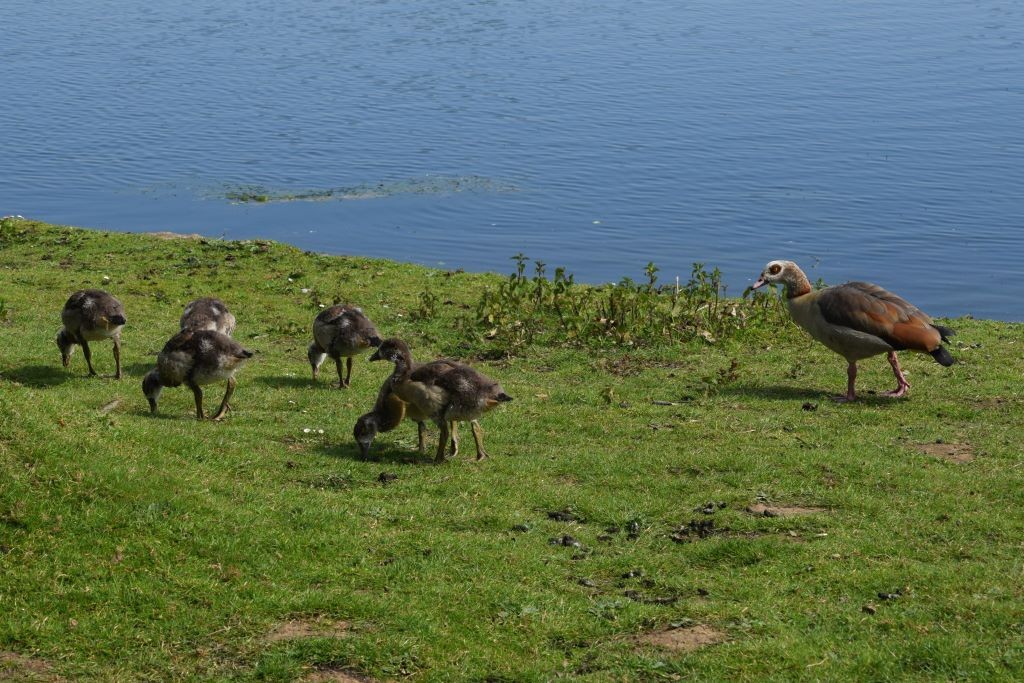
<point>376,355</point>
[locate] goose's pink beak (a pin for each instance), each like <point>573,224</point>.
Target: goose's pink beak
<point>760,283</point>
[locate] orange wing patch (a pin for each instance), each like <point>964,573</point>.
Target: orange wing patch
<point>868,308</point>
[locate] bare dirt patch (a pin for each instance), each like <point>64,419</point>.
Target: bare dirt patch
<point>762,510</point>
<point>15,667</point>
<point>166,235</point>
<point>309,628</point>
<point>685,639</point>
<point>959,453</point>
<point>334,676</point>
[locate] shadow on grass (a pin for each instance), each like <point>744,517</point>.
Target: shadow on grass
<point>788,393</point>
<point>379,452</point>
<point>286,381</point>
<point>160,415</point>
<point>138,369</point>
<point>39,376</point>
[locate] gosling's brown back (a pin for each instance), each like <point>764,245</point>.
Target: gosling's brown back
<point>208,313</point>
<point>91,312</point>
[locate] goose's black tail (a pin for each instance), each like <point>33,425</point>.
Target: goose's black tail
<point>943,356</point>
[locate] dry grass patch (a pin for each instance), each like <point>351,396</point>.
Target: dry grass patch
<point>15,667</point>
<point>762,510</point>
<point>334,676</point>
<point>319,627</point>
<point>959,453</point>
<point>167,235</point>
<point>683,639</point>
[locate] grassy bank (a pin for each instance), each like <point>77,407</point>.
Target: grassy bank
<point>158,547</point>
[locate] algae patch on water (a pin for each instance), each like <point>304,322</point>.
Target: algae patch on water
<point>435,185</point>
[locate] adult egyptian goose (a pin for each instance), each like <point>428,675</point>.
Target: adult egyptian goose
<point>340,332</point>
<point>389,411</point>
<point>444,394</point>
<point>208,313</point>
<point>90,315</point>
<point>195,358</point>
<point>858,320</point>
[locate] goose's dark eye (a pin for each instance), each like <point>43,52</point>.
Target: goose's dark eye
<point>775,270</point>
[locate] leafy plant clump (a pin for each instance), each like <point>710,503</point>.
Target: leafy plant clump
<point>523,311</point>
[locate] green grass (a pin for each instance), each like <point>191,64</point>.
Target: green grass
<point>135,547</point>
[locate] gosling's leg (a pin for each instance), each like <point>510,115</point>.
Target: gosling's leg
<point>88,356</point>
<point>478,437</point>
<point>901,381</point>
<point>422,429</point>
<point>442,441</point>
<point>348,371</point>
<point>455,438</point>
<point>341,374</point>
<point>117,356</point>
<point>224,404</point>
<point>198,393</point>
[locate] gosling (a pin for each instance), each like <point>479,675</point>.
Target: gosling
<point>91,315</point>
<point>208,313</point>
<point>443,394</point>
<point>195,358</point>
<point>341,332</point>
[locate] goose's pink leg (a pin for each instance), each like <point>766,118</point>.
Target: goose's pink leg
<point>901,381</point>
<point>851,380</point>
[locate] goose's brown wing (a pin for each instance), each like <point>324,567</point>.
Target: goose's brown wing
<point>868,308</point>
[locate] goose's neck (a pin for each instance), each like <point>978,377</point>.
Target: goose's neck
<point>797,285</point>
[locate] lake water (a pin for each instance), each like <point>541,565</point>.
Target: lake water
<point>871,140</point>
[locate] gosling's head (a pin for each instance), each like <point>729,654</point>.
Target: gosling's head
<point>394,350</point>
<point>365,430</point>
<point>151,387</point>
<point>316,358</point>
<point>66,347</point>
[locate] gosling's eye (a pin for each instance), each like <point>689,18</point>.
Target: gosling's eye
<point>775,270</point>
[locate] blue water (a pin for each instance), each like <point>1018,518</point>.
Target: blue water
<point>865,140</point>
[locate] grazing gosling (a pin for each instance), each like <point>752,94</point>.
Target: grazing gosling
<point>208,313</point>
<point>858,320</point>
<point>90,315</point>
<point>388,412</point>
<point>195,358</point>
<point>340,332</point>
<point>444,393</point>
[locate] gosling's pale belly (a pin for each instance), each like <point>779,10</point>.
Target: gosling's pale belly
<point>99,333</point>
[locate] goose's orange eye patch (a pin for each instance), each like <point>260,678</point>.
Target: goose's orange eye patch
<point>775,270</point>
